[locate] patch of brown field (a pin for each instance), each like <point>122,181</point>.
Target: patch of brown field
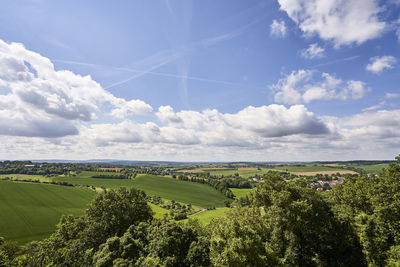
<point>324,172</point>
<point>247,169</point>
<point>331,165</point>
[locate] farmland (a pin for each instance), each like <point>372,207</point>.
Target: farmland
<point>247,172</point>
<point>182,191</point>
<point>31,211</point>
<point>375,168</point>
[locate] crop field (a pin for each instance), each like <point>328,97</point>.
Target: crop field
<point>182,191</point>
<point>187,192</point>
<point>376,168</point>
<point>85,178</point>
<point>31,211</point>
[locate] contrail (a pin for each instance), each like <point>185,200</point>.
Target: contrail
<point>336,61</point>
<point>149,71</point>
<point>205,42</point>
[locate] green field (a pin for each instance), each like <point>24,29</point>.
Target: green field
<point>376,168</point>
<point>241,192</point>
<point>31,211</point>
<point>85,178</point>
<point>206,217</point>
<point>182,191</point>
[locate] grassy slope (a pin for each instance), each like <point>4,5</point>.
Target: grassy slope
<point>182,191</point>
<point>158,211</point>
<point>196,194</point>
<point>238,192</point>
<point>31,211</point>
<point>207,216</point>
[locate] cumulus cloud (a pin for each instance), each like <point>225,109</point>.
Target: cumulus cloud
<point>278,28</point>
<point>306,86</point>
<point>377,125</point>
<point>344,22</point>
<point>379,64</point>
<point>125,108</point>
<point>249,127</point>
<point>44,98</point>
<point>313,51</point>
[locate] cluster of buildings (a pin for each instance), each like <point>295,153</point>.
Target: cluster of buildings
<point>321,183</point>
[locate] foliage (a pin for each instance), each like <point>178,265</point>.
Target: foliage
<point>110,214</point>
<point>372,205</point>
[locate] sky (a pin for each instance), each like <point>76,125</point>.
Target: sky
<point>200,80</point>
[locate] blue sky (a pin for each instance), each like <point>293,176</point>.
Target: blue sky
<point>199,80</point>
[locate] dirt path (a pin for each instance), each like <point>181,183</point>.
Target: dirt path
<point>200,211</point>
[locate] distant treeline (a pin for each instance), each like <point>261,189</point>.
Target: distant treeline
<point>356,162</point>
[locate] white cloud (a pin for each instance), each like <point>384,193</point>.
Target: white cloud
<point>313,51</point>
<point>379,64</point>
<point>41,101</point>
<point>267,133</point>
<point>306,86</point>
<point>356,89</point>
<point>125,108</point>
<point>378,125</point>
<point>344,21</point>
<point>278,28</point>
<point>248,127</point>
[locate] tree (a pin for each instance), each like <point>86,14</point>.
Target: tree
<point>110,214</point>
<point>297,227</point>
<point>372,206</point>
